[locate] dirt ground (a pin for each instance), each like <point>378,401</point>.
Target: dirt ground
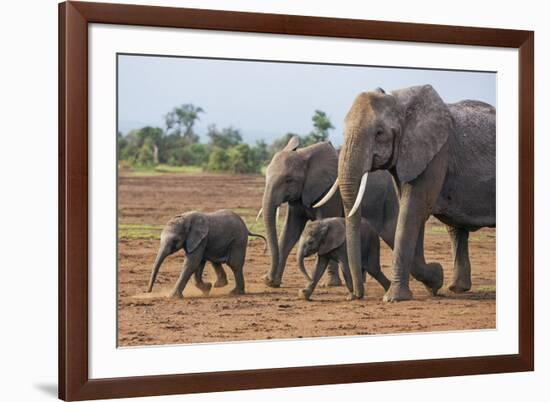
<point>147,202</point>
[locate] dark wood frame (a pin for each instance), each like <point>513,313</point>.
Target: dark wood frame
<point>74,17</point>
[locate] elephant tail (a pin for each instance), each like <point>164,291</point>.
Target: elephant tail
<point>259,235</point>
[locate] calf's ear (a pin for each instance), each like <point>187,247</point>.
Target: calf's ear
<point>334,237</point>
<point>197,232</point>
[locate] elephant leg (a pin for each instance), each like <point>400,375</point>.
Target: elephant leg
<point>416,201</point>
<point>204,287</point>
<point>411,219</point>
<point>292,230</point>
<point>239,281</point>
<point>430,274</point>
<point>236,264</point>
<point>221,277</point>
<point>320,267</point>
<point>342,257</point>
<point>189,267</point>
<point>372,267</point>
<point>333,278</point>
<point>462,281</point>
<point>347,277</point>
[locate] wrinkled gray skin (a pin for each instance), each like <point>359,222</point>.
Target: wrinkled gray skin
<point>218,237</point>
<point>442,159</point>
<point>302,176</point>
<point>327,239</point>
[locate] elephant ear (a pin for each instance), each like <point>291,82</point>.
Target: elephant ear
<point>426,128</point>
<point>292,144</point>
<point>321,171</point>
<point>198,229</point>
<point>335,236</point>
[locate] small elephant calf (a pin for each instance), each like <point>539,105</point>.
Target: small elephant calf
<point>327,239</point>
<point>217,237</point>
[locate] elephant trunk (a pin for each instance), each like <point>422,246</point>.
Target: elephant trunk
<point>161,255</point>
<point>269,211</point>
<point>301,264</point>
<point>351,169</point>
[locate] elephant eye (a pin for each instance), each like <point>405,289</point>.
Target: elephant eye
<point>288,179</point>
<point>379,132</point>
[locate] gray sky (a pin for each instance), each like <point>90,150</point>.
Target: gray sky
<point>266,99</point>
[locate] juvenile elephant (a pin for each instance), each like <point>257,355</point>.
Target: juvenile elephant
<point>327,239</point>
<point>300,177</point>
<point>442,159</point>
<point>218,237</point>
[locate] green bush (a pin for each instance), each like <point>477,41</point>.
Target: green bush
<point>146,155</point>
<point>242,159</point>
<point>199,154</point>
<point>218,161</point>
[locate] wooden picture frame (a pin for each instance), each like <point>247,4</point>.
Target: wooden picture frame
<point>74,381</point>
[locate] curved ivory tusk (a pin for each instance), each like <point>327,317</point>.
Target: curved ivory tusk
<point>360,194</point>
<point>328,195</point>
<point>277,216</point>
<point>259,214</point>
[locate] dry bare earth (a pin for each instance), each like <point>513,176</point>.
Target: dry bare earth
<point>147,202</point>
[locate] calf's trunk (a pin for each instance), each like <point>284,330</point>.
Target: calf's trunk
<point>161,255</point>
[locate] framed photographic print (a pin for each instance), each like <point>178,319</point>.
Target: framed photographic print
<point>259,200</point>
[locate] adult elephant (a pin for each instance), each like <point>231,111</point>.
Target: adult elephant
<point>442,159</point>
<point>300,177</point>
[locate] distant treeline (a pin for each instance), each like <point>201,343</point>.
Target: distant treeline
<point>178,144</point>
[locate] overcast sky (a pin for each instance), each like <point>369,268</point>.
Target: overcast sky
<point>266,99</point>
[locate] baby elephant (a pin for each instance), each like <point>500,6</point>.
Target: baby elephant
<point>327,238</point>
<point>218,237</point>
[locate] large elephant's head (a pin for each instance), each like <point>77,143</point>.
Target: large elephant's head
<point>400,132</point>
<point>185,232</point>
<point>296,175</point>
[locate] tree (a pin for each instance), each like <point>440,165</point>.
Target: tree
<point>225,139</point>
<point>199,153</point>
<point>261,152</point>
<point>146,154</point>
<point>180,122</point>
<point>321,127</point>
<point>122,143</point>
<point>137,144</point>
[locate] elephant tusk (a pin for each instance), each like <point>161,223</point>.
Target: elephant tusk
<point>360,194</point>
<point>277,216</point>
<point>259,214</point>
<point>328,195</point>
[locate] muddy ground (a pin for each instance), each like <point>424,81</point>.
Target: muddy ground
<point>146,202</point>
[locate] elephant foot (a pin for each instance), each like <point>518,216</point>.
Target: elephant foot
<point>236,292</point>
<point>460,285</point>
<point>220,283</point>
<point>305,294</point>
<point>176,295</point>
<point>204,287</point>
<point>352,296</point>
<point>270,282</point>
<point>332,281</point>
<point>434,277</point>
<point>397,292</point>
